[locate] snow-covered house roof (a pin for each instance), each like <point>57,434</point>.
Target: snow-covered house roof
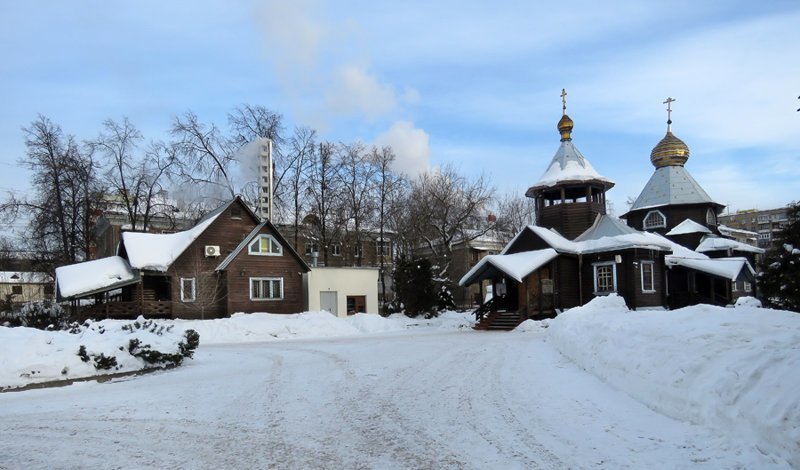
<point>516,266</point>
<point>671,185</point>
<point>24,277</point>
<point>568,165</point>
<point>727,268</point>
<point>719,243</point>
<point>91,277</point>
<point>157,251</point>
<point>688,226</point>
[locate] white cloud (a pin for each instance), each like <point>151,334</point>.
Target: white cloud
<point>410,145</point>
<point>357,91</point>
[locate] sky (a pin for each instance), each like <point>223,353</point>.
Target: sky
<point>448,82</point>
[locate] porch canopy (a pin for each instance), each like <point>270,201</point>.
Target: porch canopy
<point>726,268</point>
<point>93,277</point>
<point>516,266</point>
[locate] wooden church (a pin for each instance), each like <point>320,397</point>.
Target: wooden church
<point>669,254</point>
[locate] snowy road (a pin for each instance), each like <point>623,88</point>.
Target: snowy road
<point>424,400</point>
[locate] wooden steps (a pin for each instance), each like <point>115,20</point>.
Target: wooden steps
<point>499,320</point>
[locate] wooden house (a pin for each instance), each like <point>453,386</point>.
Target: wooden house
<point>228,262</point>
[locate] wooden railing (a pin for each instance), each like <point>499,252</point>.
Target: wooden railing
<point>128,310</point>
<point>484,308</point>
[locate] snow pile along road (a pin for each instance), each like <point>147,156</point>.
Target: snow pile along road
<point>730,369</point>
<point>28,355</point>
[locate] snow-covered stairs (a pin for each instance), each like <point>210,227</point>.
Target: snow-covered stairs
<point>499,321</point>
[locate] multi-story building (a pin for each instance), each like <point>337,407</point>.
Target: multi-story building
<point>763,223</point>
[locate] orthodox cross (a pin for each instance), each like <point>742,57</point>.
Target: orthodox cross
<point>564,100</point>
<point>668,102</point>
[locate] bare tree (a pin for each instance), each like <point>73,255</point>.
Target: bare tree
<point>356,173</point>
<point>61,211</point>
<point>513,213</point>
<point>390,191</point>
<point>207,155</point>
<point>446,208</point>
<point>322,191</point>
<point>301,154</point>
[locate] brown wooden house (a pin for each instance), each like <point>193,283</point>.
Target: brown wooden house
<point>228,262</point>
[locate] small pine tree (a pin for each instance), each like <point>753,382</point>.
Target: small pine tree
<point>414,289</point>
<point>780,281</point>
<point>446,301</point>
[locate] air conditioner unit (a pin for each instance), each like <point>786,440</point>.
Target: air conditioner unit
<point>212,250</point>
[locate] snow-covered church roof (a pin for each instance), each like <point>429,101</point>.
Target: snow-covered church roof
<point>568,165</point>
<point>688,226</point>
<point>516,266</point>
<point>719,243</point>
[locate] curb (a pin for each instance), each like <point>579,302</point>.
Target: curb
<point>99,378</point>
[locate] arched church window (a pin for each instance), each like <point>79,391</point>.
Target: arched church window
<point>654,219</point>
<point>711,218</point>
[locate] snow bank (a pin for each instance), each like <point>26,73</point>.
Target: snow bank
<point>29,355</point>
<point>718,367</point>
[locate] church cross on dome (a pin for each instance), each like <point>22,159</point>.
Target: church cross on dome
<point>669,102</point>
<point>564,100</point>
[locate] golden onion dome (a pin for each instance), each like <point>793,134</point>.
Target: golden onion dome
<point>670,151</point>
<point>565,126</point>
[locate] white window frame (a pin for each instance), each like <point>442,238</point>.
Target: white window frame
<point>336,249</point>
<point>358,250</point>
<point>269,281</point>
<point>312,248</point>
<point>734,286</point>
<point>748,287</point>
<point>595,267</point>
<point>652,265</point>
<point>662,224</point>
<point>273,243</point>
<point>184,296</point>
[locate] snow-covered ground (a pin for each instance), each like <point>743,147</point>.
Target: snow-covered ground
<point>600,387</point>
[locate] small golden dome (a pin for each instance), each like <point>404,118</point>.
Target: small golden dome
<point>565,126</point>
<point>671,151</point>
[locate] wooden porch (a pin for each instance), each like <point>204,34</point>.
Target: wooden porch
<point>124,310</point>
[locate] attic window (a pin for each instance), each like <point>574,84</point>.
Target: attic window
<point>711,218</point>
<point>236,212</point>
<point>265,245</point>
<point>654,219</point>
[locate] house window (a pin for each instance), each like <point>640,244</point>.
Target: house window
<point>16,290</point>
<point>734,286</point>
<point>648,276</point>
<point>188,291</point>
<point>265,245</point>
<point>654,219</point>
<point>605,277</point>
<point>336,249</point>
<point>748,287</point>
<point>711,218</point>
<point>359,250</point>
<point>384,248</point>
<point>266,288</point>
<point>311,248</point>
<point>236,212</point>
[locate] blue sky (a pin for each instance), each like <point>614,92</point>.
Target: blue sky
<point>442,82</point>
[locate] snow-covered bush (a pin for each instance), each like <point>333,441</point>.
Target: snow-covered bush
<point>41,314</point>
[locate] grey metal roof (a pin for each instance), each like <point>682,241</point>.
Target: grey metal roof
<point>606,226</point>
<point>671,185</point>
